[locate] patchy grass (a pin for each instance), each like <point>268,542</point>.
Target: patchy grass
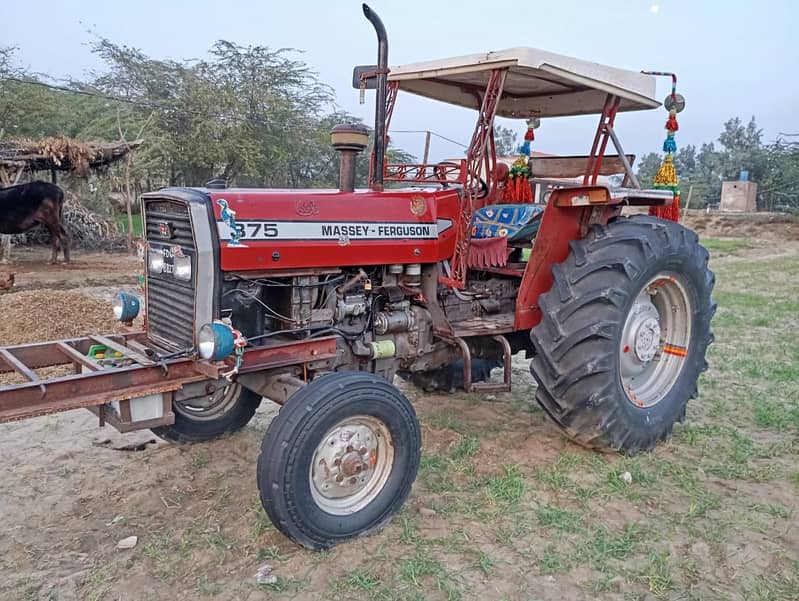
<point>507,487</point>
<point>559,519</point>
<point>725,246</point>
<point>517,511</point>
<point>657,574</point>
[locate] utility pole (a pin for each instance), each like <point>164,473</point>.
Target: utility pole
<point>426,147</point>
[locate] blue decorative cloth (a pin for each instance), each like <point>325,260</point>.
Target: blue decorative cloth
<point>512,221</point>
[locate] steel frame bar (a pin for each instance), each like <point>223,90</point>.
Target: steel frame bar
<point>605,125</point>
<point>391,99</point>
<point>475,155</point>
<point>83,390</point>
<point>425,173</point>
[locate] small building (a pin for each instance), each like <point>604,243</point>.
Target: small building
<point>739,195</point>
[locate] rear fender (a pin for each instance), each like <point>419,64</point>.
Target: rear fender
<point>562,222</point>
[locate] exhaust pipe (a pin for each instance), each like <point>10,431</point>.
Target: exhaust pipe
<point>378,155</point>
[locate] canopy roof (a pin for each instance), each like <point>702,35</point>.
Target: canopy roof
<point>538,84</point>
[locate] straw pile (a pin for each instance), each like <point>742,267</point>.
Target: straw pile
<point>40,315</point>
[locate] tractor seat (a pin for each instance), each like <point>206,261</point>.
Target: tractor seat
<point>516,222</point>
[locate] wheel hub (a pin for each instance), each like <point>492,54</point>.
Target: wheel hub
<point>654,340</point>
<point>351,464</point>
<point>647,339</point>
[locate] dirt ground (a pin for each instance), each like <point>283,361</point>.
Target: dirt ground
<point>504,508</point>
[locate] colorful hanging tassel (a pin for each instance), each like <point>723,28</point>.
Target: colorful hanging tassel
<point>669,145</point>
<point>518,188</point>
<point>666,177</point>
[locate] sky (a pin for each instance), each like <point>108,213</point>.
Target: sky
<point>732,58</point>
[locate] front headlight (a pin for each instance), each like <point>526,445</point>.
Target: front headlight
<point>155,261</point>
<point>125,306</point>
<point>215,341</point>
<point>182,268</point>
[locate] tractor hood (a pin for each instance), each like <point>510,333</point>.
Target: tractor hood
<point>274,229</point>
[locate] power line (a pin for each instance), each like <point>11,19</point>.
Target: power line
<point>424,131</point>
<point>162,107</point>
<point>151,105</point>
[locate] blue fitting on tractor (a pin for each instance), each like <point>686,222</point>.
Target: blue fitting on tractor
<point>126,306</point>
<point>215,341</point>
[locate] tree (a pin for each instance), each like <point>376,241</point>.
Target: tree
<point>647,168</point>
<point>506,140</point>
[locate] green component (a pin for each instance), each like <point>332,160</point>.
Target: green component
<point>383,349</point>
<point>96,349</point>
<point>100,349</point>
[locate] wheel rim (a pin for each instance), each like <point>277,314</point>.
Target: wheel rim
<point>218,401</point>
<point>351,465</point>
<point>654,340</point>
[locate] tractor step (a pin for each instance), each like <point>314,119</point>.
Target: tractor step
<point>466,355</point>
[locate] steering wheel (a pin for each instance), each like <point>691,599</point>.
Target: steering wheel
<point>483,190</point>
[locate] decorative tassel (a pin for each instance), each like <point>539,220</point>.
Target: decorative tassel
<point>671,124</point>
<point>525,148</point>
<point>666,177</point>
<point>669,145</point>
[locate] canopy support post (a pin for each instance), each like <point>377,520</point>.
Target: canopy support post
<point>605,126</point>
<point>628,169</point>
<point>475,156</point>
<point>391,99</point>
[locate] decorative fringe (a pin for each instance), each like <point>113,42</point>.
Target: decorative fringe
<point>488,252</point>
<point>671,212</point>
<point>669,145</point>
<point>518,188</point>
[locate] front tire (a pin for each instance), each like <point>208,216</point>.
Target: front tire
<point>339,459</point>
<point>227,409</point>
<point>623,333</point>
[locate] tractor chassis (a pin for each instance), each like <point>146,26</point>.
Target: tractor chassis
<point>92,387</point>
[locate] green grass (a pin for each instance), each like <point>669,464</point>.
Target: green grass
<point>771,413</point>
<point>552,561</point>
<point>559,519</point>
<point>507,487</point>
<point>657,574</point>
<point>605,545</point>
<point>722,246</point>
<point>356,580</point>
<point>122,223</point>
<point>485,563</point>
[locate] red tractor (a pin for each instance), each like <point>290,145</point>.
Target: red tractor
<point>317,299</point>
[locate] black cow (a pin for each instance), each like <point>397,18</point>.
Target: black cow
<point>26,205</point>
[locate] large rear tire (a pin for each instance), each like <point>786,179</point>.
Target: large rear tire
<point>623,333</point>
<point>339,459</point>
<point>227,409</point>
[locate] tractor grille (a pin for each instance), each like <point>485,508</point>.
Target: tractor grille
<point>170,302</point>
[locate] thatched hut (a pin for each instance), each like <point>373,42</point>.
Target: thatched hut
<point>58,153</point>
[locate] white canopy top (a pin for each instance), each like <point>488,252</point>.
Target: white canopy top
<point>538,84</point>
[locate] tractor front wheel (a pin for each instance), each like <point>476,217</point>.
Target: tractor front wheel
<point>339,459</point>
<point>623,333</point>
<point>227,407</point>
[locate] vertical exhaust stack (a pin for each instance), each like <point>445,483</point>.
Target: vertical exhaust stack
<point>349,140</point>
<point>382,91</point>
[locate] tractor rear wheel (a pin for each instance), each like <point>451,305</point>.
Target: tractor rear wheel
<point>339,459</point>
<point>228,407</point>
<point>623,333</point>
